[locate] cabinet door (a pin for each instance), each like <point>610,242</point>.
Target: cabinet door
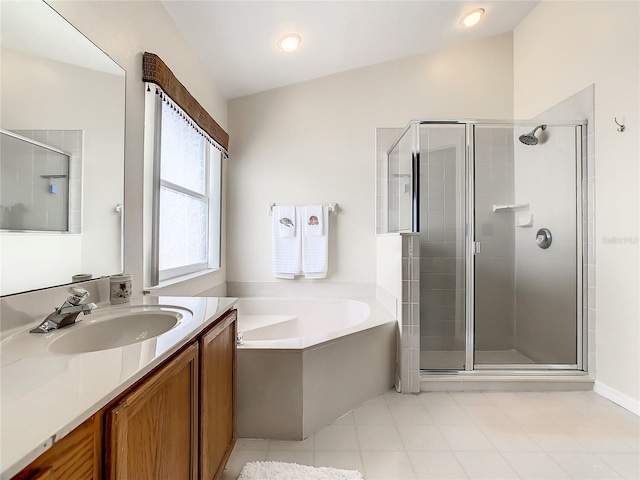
<point>74,457</point>
<point>152,432</point>
<point>217,397</point>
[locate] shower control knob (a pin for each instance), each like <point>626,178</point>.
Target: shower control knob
<point>543,238</point>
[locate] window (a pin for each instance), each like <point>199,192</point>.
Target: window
<point>186,195</point>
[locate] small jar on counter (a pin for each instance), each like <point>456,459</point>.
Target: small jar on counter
<point>120,290</point>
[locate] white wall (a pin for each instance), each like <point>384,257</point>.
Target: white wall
<point>314,143</point>
<point>559,49</point>
<point>125,30</point>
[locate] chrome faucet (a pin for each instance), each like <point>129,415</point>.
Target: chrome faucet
<point>67,313</point>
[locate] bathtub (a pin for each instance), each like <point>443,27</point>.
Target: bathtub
<point>305,362</point>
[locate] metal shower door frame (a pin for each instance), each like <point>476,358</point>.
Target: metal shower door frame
<point>470,367</point>
<point>579,161</point>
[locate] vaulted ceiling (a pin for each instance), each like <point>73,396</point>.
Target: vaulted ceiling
<point>237,40</point>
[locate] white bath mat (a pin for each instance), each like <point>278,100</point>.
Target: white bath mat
<point>293,471</point>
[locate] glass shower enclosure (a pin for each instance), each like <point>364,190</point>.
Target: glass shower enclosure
<point>498,206</point>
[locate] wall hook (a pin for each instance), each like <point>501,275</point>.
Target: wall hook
<point>620,127</point>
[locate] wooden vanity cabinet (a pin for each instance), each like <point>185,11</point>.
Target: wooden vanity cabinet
<point>217,397</point>
<point>74,457</point>
<point>152,432</point>
<point>177,423</point>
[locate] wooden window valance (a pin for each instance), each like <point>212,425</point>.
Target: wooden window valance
<point>154,70</point>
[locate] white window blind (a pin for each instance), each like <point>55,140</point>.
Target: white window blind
<point>187,199</point>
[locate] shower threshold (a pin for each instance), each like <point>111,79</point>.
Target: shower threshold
<point>500,370</point>
<point>505,380</point>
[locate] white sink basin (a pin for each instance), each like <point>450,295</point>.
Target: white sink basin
<point>114,330</point>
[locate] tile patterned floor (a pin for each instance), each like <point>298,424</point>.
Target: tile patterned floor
<point>469,435</point>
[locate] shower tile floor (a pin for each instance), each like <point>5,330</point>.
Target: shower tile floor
<point>455,359</point>
<point>468,435</point>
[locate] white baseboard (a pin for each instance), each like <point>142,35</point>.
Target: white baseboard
<point>615,396</point>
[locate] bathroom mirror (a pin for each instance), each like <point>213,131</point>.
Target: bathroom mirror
<point>62,97</point>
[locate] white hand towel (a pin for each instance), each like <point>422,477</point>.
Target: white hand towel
<point>285,218</point>
<point>286,251</point>
<point>315,250</point>
<point>313,220</point>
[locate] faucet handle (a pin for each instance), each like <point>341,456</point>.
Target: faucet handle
<point>77,295</point>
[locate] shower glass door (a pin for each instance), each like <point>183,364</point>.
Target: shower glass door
<point>527,256</point>
<point>442,183</point>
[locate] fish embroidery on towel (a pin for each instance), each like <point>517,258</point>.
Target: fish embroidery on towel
<point>286,222</point>
<point>313,220</point>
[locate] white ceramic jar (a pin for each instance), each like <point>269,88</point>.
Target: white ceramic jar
<point>120,290</point>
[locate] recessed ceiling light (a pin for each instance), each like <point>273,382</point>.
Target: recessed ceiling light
<point>470,19</point>
<point>289,42</point>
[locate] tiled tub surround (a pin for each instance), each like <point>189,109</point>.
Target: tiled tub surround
<point>44,396</point>
<point>306,362</point>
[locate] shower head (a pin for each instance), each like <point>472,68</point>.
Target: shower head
<point>530,138</point>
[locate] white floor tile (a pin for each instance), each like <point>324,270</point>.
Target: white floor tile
<point>377,413</point>
<point>422,438</point>
<point>596,439</point>
<point>291,456</point>
<point>440,465</point>
<point>337,438</point>
<point>476,435</point>
<point>387,466</point>
<point>626,464</point>
<point>485,465</point>
<point>534,465</point>
<point>628,434</point>
<point>470,398</point>
<point>379,438</point>
<point>339,459</point>
<point>410,414</point>
<point>449,415</point>
<point>502,398</point>
<point>466,438</point>
<point>509,438</point>
<point>553,439</point>
<point>487,415</point>
<point>584,466</point>
<point>525,415</point>
<point>436,398</point>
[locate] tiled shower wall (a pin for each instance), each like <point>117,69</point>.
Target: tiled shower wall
<point>442,286</point>
<point>403,288</point>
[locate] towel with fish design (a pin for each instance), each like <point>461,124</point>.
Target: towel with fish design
<point>285,217</point>
<point>286,243</point>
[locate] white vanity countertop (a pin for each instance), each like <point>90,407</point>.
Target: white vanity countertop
<point>46,395</point>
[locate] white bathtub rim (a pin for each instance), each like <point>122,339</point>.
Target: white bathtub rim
<point>378,315</point>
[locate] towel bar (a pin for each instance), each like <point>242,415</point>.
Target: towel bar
<point>333,208</point>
